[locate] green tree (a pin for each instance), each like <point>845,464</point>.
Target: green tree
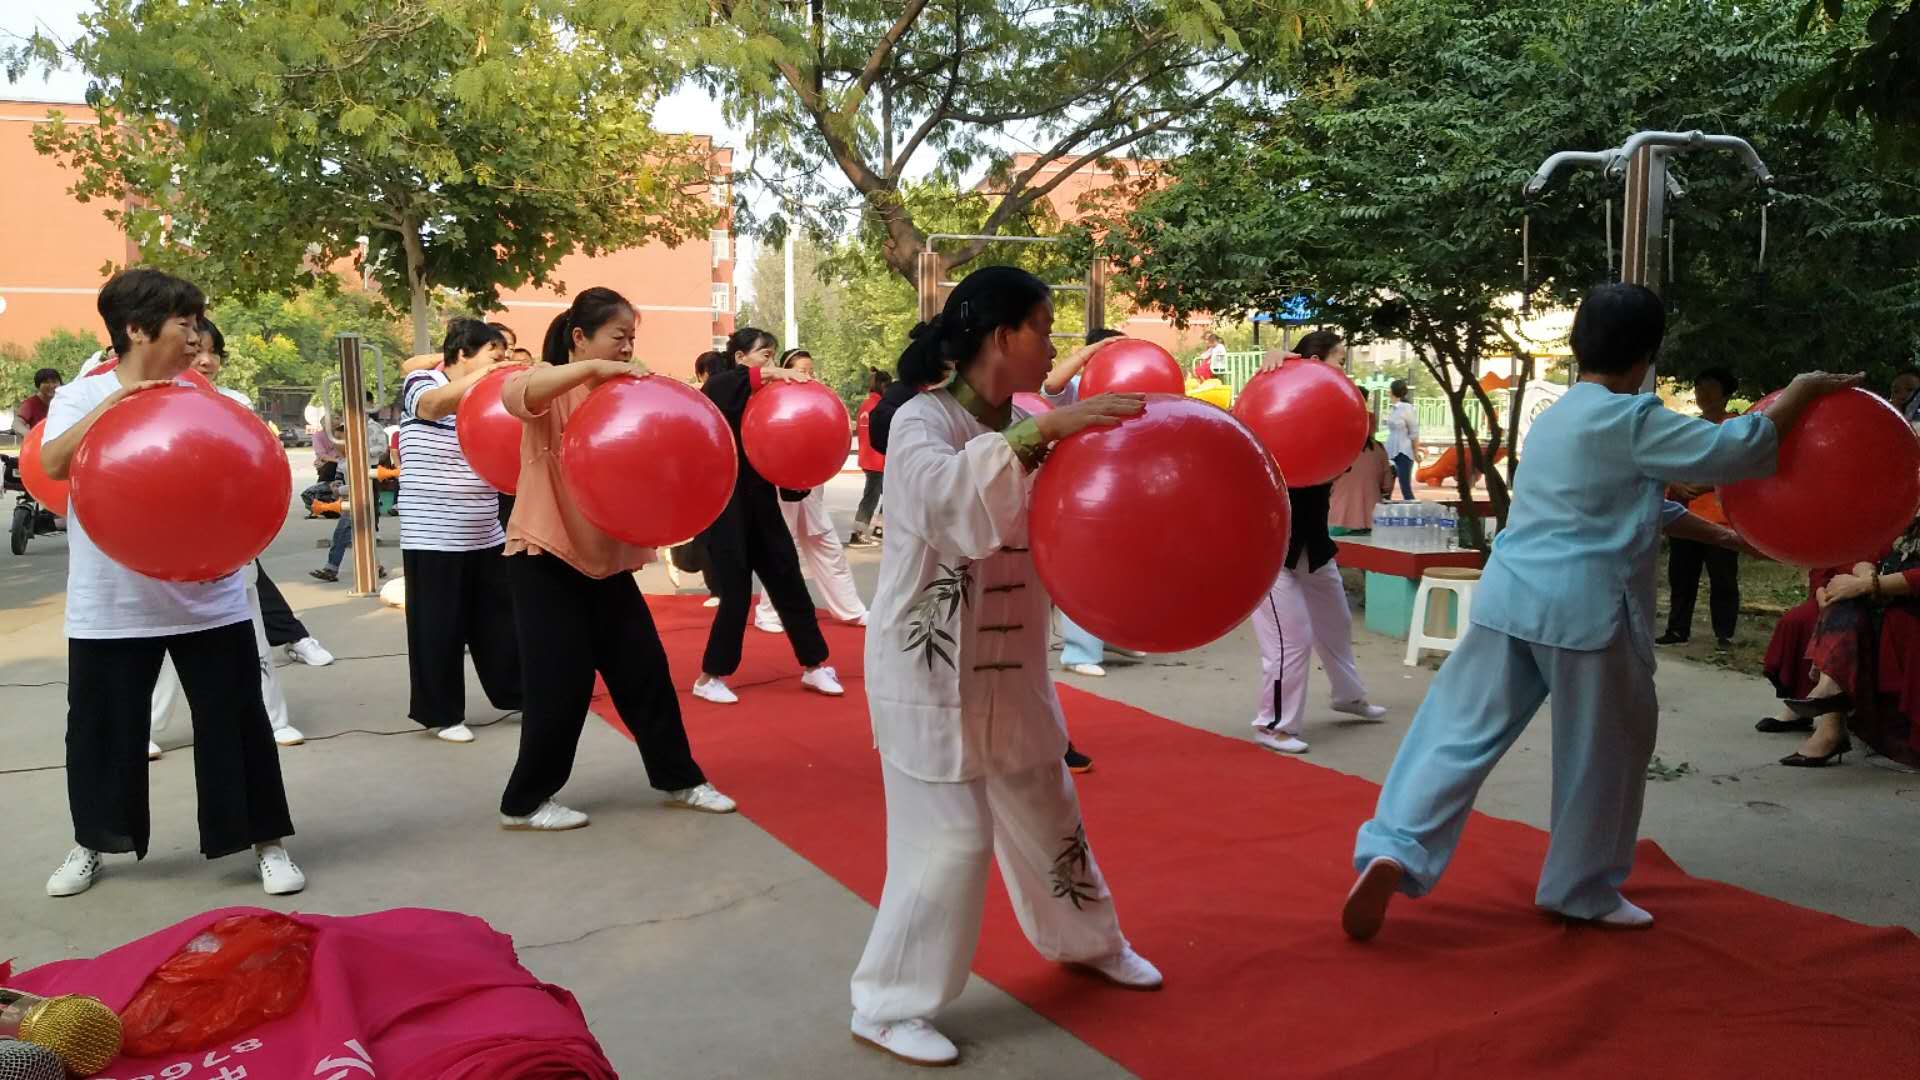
<point>1872,73</point>
<point>61,349</point>
<point>867,94</point>
<point>462,143</point>
<point>1386,186</point>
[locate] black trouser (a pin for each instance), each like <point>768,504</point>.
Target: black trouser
<point>751,538</point>
<point>506,509</point>
<point>869,500</point>
<point>1684,560</point>
<point>326,472</point>
<point>236,766</point>
<point>458,602</point>
<point>283,626</point>
<point>571,626</point>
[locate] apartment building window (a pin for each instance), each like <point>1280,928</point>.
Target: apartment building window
<point>721,295</point>
<point>717,191</point>
<point>722,245</point>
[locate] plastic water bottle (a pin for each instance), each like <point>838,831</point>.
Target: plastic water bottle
<point>1451,523</point>
<point>1379,525</point>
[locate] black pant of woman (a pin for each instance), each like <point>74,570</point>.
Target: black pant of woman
<point>236,766</point>
<point>869,500</point>
<point>459,603</point>
<point>751,538</point>
<point>570,626</point>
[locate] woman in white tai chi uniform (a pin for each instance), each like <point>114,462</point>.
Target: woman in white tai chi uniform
<point>816,541</point>
<point>964,711</point>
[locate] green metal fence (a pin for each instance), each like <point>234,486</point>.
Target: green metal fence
<point>1436,420</point>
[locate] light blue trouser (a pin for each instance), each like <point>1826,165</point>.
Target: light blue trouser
<point>1605,715</point>
<point>1077,646</point>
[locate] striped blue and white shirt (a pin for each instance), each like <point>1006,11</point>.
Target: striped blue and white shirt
<point>444,505</point>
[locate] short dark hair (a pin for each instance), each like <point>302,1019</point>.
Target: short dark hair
<point>787,358</point>
<point>878,381</point>
<point>1727,380</point>
<point>1317,344</point>
<point>744,340</point>
<point>1617,326</point>
<point>1398,388</point>
<point>522,350</point>
<point>984,301</point>
<point>591,309</point>
<point>506,333</point>
<point>216,341</point>
<point>46,373</point>
<point>465,337</point>
<point>707,363</point>
<point>1102,333</point>
<point>144,299</point>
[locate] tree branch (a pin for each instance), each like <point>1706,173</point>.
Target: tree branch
<point>877,60</point>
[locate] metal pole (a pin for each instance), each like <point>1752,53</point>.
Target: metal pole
<point>930,269</point>
<point>792,324</point>
<point>359,475</point>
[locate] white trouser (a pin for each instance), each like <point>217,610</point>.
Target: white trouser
<point>825,561</point>
<point>166,691</point>
<point>1304,612</point>
<point>940,837</point>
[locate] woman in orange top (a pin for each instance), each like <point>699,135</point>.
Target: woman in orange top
<point>576,607</point>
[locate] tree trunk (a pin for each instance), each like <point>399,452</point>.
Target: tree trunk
<point>421,306</point>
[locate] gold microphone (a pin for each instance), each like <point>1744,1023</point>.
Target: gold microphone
<point>82,1031</point>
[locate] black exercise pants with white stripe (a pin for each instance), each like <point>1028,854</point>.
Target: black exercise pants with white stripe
<point>459,602</point>
<point>572,626</point>
<point>236,766</point>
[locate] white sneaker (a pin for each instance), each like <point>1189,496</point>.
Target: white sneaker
<point>711,601</point>
<point>1280,740</point>
<point>1126,969</point>
<point>76,875</point>
<point>823,680</point>
<point>1361,709</point>
<point>1365,910</point>
<point>713,690</point>
<point>288,736</point>
<point>769,626</point>
<point>310,652</point>
<point>1091,671</point>
<point>1628,916</point>
<point>455,733</point>
<point>277,872</point>
<point>1131,654</point>
<point>706,798</point>
<point>153,750</point>
<point>915,1042</point>
<point>551,817</point>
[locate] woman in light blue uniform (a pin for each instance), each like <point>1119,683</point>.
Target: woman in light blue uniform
<point>1565,610</point>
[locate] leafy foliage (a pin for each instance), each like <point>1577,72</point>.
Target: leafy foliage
<point>61,349</point>
<point>865,94</point>
<point>1387,186</point>
<point>462,143</point>
<point>1872,73</point>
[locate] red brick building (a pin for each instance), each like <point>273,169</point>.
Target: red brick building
<point>55,247</point>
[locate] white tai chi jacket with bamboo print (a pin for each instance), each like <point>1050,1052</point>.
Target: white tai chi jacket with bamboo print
<point>956,653</point>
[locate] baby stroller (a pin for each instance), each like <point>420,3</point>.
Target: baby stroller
<point>30,519</point>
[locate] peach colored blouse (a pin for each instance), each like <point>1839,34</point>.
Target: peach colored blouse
<point>545,520</point>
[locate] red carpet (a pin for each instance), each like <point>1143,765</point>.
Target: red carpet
<point>1229,864</point>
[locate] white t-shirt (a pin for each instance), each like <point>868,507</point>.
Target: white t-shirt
<point>1403,427</point>
<point>107,600</point>
<point>444,505</point>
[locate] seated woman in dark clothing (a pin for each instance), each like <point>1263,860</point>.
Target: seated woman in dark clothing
<point>1866,649</point>
<point>1786,664</point>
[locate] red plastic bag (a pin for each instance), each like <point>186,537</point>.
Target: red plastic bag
<point>239,973</point>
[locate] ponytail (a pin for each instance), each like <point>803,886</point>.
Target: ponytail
<point>591,310</point>
<point>985,300</point>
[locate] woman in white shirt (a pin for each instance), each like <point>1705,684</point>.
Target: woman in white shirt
<point>1403,436</point>
<point>122,624</point>
<point>964,712</point>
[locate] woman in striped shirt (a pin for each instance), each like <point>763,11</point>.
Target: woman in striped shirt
<point>458,599</point>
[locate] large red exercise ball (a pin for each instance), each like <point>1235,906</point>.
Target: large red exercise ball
<point>1310,416</point>
<point>1114,507</point>
<point>1848,484</point>
<point>180,485</point>
<point>795,434</point>
<point>649,460</point>
<point>1132,366</point>
<point>489,434</point>
<point>1032,404</point>
<point>48,492</point>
